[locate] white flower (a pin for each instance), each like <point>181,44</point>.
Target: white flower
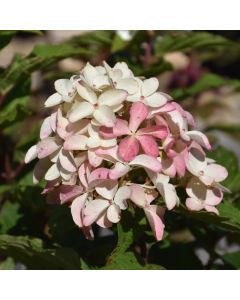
<point>100,108</point>
<point>66,92</point>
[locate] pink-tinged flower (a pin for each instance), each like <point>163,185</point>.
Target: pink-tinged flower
<point>66,92</point>
<point>154,213</point>
<point>121,168</point>
<point>176,155</point>
<point>199,166</point>
<point>107,210</point>
<point>147,93</point>
<point>202,196</point>
<point>129,146</point>
<point>166,189</point>
<point>99,108</point>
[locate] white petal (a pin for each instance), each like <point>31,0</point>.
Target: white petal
<point>31,154</point>
<point>107,189</point>
<point>128,84</point>
<point>76,209</point>
<point>94,159</point>
<point>118,171</point>
<point>105,116</point>
<point>87,93</point>
<point>112,97</point>
<point>93,142</point>
<point>63,86</point>
<point>67,161</point>
<point>156,100</point>
<point>149,86</point>
<point>147,162</point>
<point>46,128</point>
<point>76,142</point>
<point>100,81</point>
<point>40,169</point>
<point>82,110</point>
<point>200,138</point>
<point>113,213</point>
<point>53,100</point>
<point>52,173</point>
<point>122,194</point>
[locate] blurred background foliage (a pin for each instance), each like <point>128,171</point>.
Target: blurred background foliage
<point>199,69</point>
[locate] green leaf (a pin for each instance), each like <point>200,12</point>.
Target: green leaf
<point>228,219</point>
<point>9,216</point>
<point>33,253</point>
<point>7,264</point>
<point>118,43</point>
<point>6,37</point>
<point>184,41</point>
<point>14,112</point>
<point>233,259</point>
<point>43,56</point>
<point>206,82</point>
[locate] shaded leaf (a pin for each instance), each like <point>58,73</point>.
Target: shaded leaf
<point>32,253</point>
<point>184,41</point>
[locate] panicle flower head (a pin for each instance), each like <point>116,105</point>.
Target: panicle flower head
<point>105,124</point>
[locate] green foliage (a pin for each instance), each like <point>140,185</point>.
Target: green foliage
<point>34,255</point>
<point>189,41</point>
<point>233,259</point>
<point>206,82</point>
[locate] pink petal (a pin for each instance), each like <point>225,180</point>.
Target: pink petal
<point>128,148</point>
<point>138,113</point>
<point>77,208</point>
<point>217,172</point>
<point>120,128</point>
<point>157,131</point>
<point>214,196</point>
<point>94,210</point>
<point>194,204</point>
<point>155,221</point>
<point>149,145</point>
<point>46,147</point>
<point>118,171</point>
<point>98,174</point>
<point>180,165</point>
<point>147,162</point>
<point>68,192</point>
<point>138,195</point>
<point>212,209</point>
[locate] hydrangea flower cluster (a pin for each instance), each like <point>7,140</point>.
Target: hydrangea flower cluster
<point>107,125</point>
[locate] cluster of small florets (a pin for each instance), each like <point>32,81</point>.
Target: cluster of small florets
<point>114,139</point>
